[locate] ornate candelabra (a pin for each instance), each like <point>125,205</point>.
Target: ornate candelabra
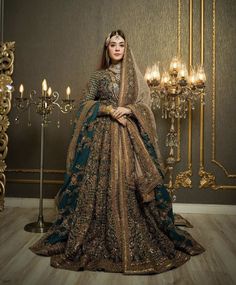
<point>174,93</point>
<point>44,107</point>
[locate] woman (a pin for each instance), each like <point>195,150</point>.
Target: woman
<point>114,213</point>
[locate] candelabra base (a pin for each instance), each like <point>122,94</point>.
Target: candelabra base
<point>38,227</point>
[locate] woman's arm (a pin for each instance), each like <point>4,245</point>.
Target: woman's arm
<point>91,94</point>
<point>92,87</point>
<point>121,111</point>
<point>92,91</point>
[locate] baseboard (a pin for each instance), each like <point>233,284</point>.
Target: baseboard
<point>28,202</point>
<point>177,207</point>
<point>204,208</point>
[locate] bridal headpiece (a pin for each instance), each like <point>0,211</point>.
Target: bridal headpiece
<point>109,37</point>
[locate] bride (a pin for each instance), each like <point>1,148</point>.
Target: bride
<point>114,212</point>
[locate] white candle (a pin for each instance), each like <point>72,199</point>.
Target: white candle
<point>44,87</point>
<point>68,91</point>
<point>49,91</point>
<point>21,89</point>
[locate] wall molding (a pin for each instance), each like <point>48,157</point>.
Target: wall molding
<point>178,207</point>
<point>12,202</point>
<point>204,208</point>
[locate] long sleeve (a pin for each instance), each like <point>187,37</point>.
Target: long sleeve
<point>92,88</point>
<point>92,92</point>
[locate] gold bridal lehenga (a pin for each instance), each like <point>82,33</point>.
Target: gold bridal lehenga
<point>114,212</point>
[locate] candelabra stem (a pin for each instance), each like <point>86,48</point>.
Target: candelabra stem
<point>41,170</point>
<point>171,159</point>
<point>40,226</point>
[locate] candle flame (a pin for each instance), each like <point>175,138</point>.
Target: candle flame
<point>175,64</point>
<point>49,91</point>
<point>21,89</point>
<point>44,85</point>
<point>201,74</point>
<point>68,91</point>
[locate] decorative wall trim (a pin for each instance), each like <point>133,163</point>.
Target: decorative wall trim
<point>184,178</point>
<point>34,181</point>
<point>178,207</point>
<point>33,170</point>
<point>208,179</point>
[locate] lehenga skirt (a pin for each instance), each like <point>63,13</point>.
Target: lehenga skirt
<point>103,222</point>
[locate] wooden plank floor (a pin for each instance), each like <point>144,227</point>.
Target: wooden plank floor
<point>18,265</point>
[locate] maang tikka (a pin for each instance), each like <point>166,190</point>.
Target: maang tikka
<point>109,37</point>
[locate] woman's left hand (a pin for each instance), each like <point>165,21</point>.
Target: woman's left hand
<point>120,111</point>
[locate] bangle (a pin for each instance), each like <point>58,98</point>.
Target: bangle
<point>108,109</point>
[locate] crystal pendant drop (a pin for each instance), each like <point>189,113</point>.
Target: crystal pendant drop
<point>17,120</point>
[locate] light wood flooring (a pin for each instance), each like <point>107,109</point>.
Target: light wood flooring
<point>18,265</point>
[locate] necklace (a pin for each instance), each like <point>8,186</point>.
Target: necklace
<point>115,70</point>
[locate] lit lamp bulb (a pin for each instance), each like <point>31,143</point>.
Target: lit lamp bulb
<point>183,75</point>
<point>183,72</point>
<point>68,91</point>
<point>148,76</point>
<point>175,65</point>
<point>165,78</point>
<point>21,90</point>
<point>155,73</point>
<point>192,77</point>
<point>44,87</point>
<point>201,76</point>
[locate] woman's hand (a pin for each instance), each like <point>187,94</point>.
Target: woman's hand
<point>121,120</point>
<point>120,111</point>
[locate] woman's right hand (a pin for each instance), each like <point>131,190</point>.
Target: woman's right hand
<point>122,120</point>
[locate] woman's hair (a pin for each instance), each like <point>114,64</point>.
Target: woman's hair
<point>105,57</point>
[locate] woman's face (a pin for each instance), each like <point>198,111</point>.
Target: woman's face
<point>116,48</point>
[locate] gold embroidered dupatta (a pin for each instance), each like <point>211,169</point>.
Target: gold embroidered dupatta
<point>135,94</point>
<point>85,108</point>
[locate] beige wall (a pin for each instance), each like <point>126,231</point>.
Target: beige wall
<point>61,40</point>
